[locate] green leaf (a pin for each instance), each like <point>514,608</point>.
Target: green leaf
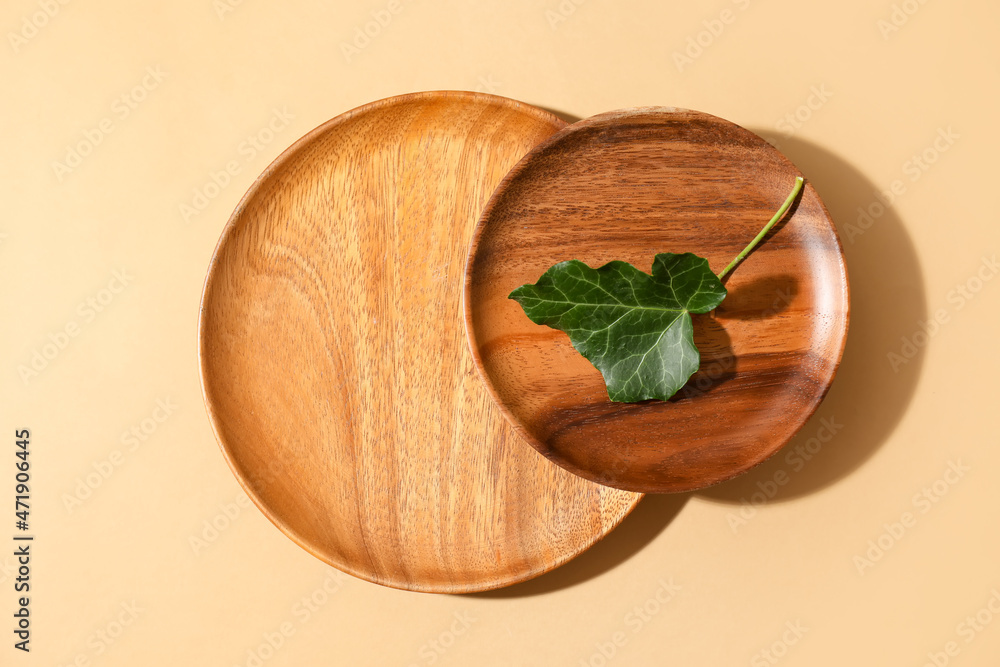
<point>634,327</point>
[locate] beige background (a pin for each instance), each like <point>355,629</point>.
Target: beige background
<point>746,575</point>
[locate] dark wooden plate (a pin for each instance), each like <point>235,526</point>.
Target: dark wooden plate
<point>627,185</point>
<point>335,366</point>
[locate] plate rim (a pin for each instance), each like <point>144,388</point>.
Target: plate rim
<point>286,156</point>
<point>495,200</point>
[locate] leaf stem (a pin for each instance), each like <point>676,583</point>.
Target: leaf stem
<point>757,239</point>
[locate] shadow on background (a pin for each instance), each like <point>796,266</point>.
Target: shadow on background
<point>650,517</point>
<point>647,520</point>
<point>868,397</point>
<point>568,117</point>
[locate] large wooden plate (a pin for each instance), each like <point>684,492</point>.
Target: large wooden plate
<point>335,366</point>
<point>627,185</point>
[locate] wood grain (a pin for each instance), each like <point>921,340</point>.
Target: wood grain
<point>627,185</point>
<point>335,366</point>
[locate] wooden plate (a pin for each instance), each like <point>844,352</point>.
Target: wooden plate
<point>627,185</point>
<point>335,366</point>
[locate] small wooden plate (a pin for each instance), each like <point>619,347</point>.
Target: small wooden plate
<point>335,367</point>
<point>627,185</point>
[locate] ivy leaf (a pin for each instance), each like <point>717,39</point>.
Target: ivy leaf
<point>634,327</point>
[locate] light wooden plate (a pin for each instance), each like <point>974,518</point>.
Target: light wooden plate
<point>335,366</point>
<point>627,185</point>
